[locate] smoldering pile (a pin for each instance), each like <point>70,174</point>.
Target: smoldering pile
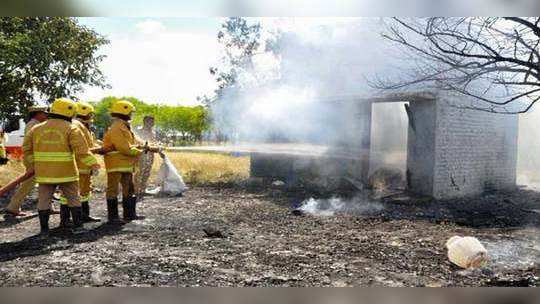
<point>357,205</point>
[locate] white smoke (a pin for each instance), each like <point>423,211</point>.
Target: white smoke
<point>318,59</point>
<point>529,150</point>
<point>328,207</point>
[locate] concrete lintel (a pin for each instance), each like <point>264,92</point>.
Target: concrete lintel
<point>388,97</point>
<point>406,96</point>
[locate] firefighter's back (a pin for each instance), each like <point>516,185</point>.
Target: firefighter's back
<point>54,161</point>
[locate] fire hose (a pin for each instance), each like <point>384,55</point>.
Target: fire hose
<point>29,174</point>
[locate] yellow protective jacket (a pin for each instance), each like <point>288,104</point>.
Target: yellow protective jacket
<point>122,142</point>
<point>29,125</point>
<point>90,139</point>
<point>52,148</point>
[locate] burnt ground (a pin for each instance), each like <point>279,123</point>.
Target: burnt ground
<point>263,244</point>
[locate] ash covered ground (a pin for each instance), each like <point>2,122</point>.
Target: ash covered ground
<point>257,241</point>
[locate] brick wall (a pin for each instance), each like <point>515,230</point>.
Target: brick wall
<point>475,151</point>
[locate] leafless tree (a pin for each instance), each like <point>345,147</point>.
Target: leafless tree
<point>494,60</point>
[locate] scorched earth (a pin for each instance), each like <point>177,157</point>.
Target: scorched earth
<point>233,236</point>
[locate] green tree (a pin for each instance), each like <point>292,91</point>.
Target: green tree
<point>241,40</point>
<point>199,122</point>
<point>188,122</point>
<point>44,58</point>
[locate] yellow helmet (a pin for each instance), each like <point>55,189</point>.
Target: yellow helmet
<point>64,107</point>
<point>123,107</point>
<point>84,109</point>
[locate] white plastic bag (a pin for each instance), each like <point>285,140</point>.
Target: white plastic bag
<point>168,179</point>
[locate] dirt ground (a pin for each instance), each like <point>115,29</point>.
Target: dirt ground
<point>264,244</point>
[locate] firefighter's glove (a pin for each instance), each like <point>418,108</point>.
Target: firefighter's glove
<point>95,169</point>
<point>152,149</point>
<point>98,151</point>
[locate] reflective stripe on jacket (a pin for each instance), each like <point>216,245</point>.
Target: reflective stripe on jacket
<point>89,138</point>
<point>29,125</point>
<point>52,148</point>
<point>122,142</point>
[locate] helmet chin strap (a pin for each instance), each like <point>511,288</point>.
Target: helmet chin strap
<point>85,119</point>
<point>58,116</point>
<point>121,116</point>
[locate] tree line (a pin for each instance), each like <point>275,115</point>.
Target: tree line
<point>178,125</point>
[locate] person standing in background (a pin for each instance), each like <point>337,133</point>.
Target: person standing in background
<point>147,136</point>
<point>36,115</point>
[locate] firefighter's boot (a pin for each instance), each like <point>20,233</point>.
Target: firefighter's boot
<point>112,212</point>
<point>125,210</point>
<point>44,222</point>
<point>132,209</point>
<point>64,217</point>
<point>76,214</point>
<point>86,218</point>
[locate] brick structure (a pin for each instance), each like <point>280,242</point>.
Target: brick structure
<point>451,151</point>
<point>460,152</point>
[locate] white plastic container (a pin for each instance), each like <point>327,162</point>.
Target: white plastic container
<point>466,252</point>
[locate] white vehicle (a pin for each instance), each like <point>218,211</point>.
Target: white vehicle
<point>15,140</point>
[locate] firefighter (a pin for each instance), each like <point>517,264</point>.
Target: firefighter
<point>147,135</point>
<point>120,162</point>
<point>36,115</point>
<point>85,116</point>
<point>51,149</point>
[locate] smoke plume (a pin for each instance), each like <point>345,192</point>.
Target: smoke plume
<point>319,62</point>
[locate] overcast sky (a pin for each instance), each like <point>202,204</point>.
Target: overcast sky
<point>159,60</point>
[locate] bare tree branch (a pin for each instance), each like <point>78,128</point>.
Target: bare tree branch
<point>493,60</point>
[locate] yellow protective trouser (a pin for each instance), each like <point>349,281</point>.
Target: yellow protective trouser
<point>143,173</point>
<point>114,180</point>
<point>70,191</point>
<point>85,189</point>
<point>23,191</point>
